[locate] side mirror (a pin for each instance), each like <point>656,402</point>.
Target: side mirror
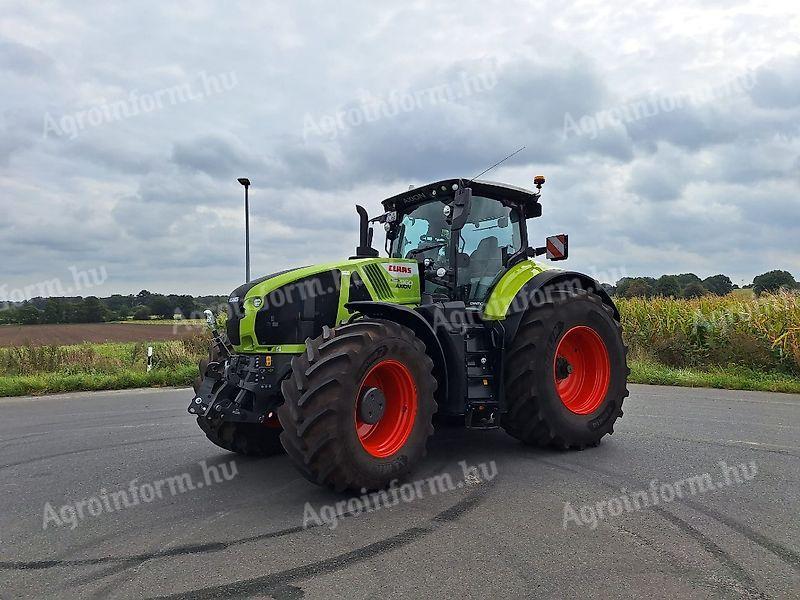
<point>506,252</point>
<point>459,209</point>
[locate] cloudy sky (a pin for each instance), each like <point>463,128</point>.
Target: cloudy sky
<point>669,133</point>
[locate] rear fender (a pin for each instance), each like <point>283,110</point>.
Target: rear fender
<point>540,289</point>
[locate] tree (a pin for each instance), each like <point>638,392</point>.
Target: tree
<point>119,303</point>
<point>685,279</point>
<point>92,310</point>
<point>27,314</point>
<point>668,286</point>
<point>53,311</point>
<point>610,289</point>
<point>718,284</point>
<point>694,290</point>
<point>773,281</point>
<point>161,307</point>
<point>642,287</point>
<point>638,288</point>
<point>141,313</point>
<point>186,305</point>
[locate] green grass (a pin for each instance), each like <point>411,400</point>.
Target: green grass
<point>179,322</point>
<point>51,383</point>
<point>732,378</point>
<point>33,370</point>
<point>728,378</point>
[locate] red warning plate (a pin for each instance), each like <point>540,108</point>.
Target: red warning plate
<point>558,247</point>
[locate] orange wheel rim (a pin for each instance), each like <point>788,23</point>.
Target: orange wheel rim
<point>582,370</point>
<point>388,435</point>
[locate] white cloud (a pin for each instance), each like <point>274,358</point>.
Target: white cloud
<point>154,197</point>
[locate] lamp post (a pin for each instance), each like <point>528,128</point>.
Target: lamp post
<point>246,183</point>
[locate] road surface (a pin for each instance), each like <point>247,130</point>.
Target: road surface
<point>632,518</point>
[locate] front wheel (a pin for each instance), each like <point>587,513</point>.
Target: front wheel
<point>358,405</point>
<point>566,373</point>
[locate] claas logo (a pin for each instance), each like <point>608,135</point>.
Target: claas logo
<point>399,269</point>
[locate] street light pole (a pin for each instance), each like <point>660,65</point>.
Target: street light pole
<point>246,183</point>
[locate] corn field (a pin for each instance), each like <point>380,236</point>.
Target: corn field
<point>761,333</point>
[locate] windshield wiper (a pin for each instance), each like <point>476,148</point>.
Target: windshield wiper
<point>421,249</point>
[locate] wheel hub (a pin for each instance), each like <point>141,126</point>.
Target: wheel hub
<point>385,408</point>
<point>582,370</point>
<point>563,368</point>
<point>371,406</point>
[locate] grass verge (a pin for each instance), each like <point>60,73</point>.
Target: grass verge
<point>727,378</point>
<point>730,378</point>
<point>51,383</point>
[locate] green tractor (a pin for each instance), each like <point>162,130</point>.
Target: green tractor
<point>343,366</point>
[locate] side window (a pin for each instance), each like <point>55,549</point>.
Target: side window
<point>492,226</point>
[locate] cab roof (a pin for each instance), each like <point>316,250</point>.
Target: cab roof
<point>509,194</point>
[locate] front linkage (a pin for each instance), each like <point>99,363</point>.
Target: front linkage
<point>238,388</point>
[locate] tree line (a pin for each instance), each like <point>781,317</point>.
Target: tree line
<point>145,305</point>
<point>689,285</point>
<point>142,306</point>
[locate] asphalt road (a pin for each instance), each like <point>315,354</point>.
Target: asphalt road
<point>504,533</point>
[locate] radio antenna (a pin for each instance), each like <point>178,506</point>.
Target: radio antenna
<point>496,164</point>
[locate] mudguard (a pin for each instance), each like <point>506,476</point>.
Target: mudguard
<point>416,322</point>
<point>533,285</point>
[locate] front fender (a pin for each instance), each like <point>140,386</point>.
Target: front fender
<point>422,329</point>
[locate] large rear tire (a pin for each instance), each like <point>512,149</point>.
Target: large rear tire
<point>566,373</point>
<point>249,439</point>
<point>358,405</point>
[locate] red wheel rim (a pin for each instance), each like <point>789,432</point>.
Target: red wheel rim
<point>582,370</point>
<point>389,434</point>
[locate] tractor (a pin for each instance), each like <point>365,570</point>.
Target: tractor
<point>346,366</point>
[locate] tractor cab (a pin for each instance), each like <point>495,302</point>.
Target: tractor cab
<point>465,235</point>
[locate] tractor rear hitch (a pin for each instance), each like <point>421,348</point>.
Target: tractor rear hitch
<point>482,415</point>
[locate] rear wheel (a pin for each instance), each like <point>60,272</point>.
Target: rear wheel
<point>566,373</point>
<point>250,439</point>
<point>358,405</point>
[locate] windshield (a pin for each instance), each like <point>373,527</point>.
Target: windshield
<point>491,234</point>
<point>424,227</point>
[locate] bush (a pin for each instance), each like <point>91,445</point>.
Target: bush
<point>141,313</point>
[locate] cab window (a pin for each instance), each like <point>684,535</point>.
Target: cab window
<point>492,232</point>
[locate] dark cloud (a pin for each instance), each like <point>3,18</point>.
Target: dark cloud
<point>154,196</point>
<point>215,155</point>
<point>778,85</point>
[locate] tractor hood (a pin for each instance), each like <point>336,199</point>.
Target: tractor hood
<point>278,312</point>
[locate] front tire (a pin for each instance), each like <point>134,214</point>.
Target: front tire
<point>358,405</point>
<point>566,373</point>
